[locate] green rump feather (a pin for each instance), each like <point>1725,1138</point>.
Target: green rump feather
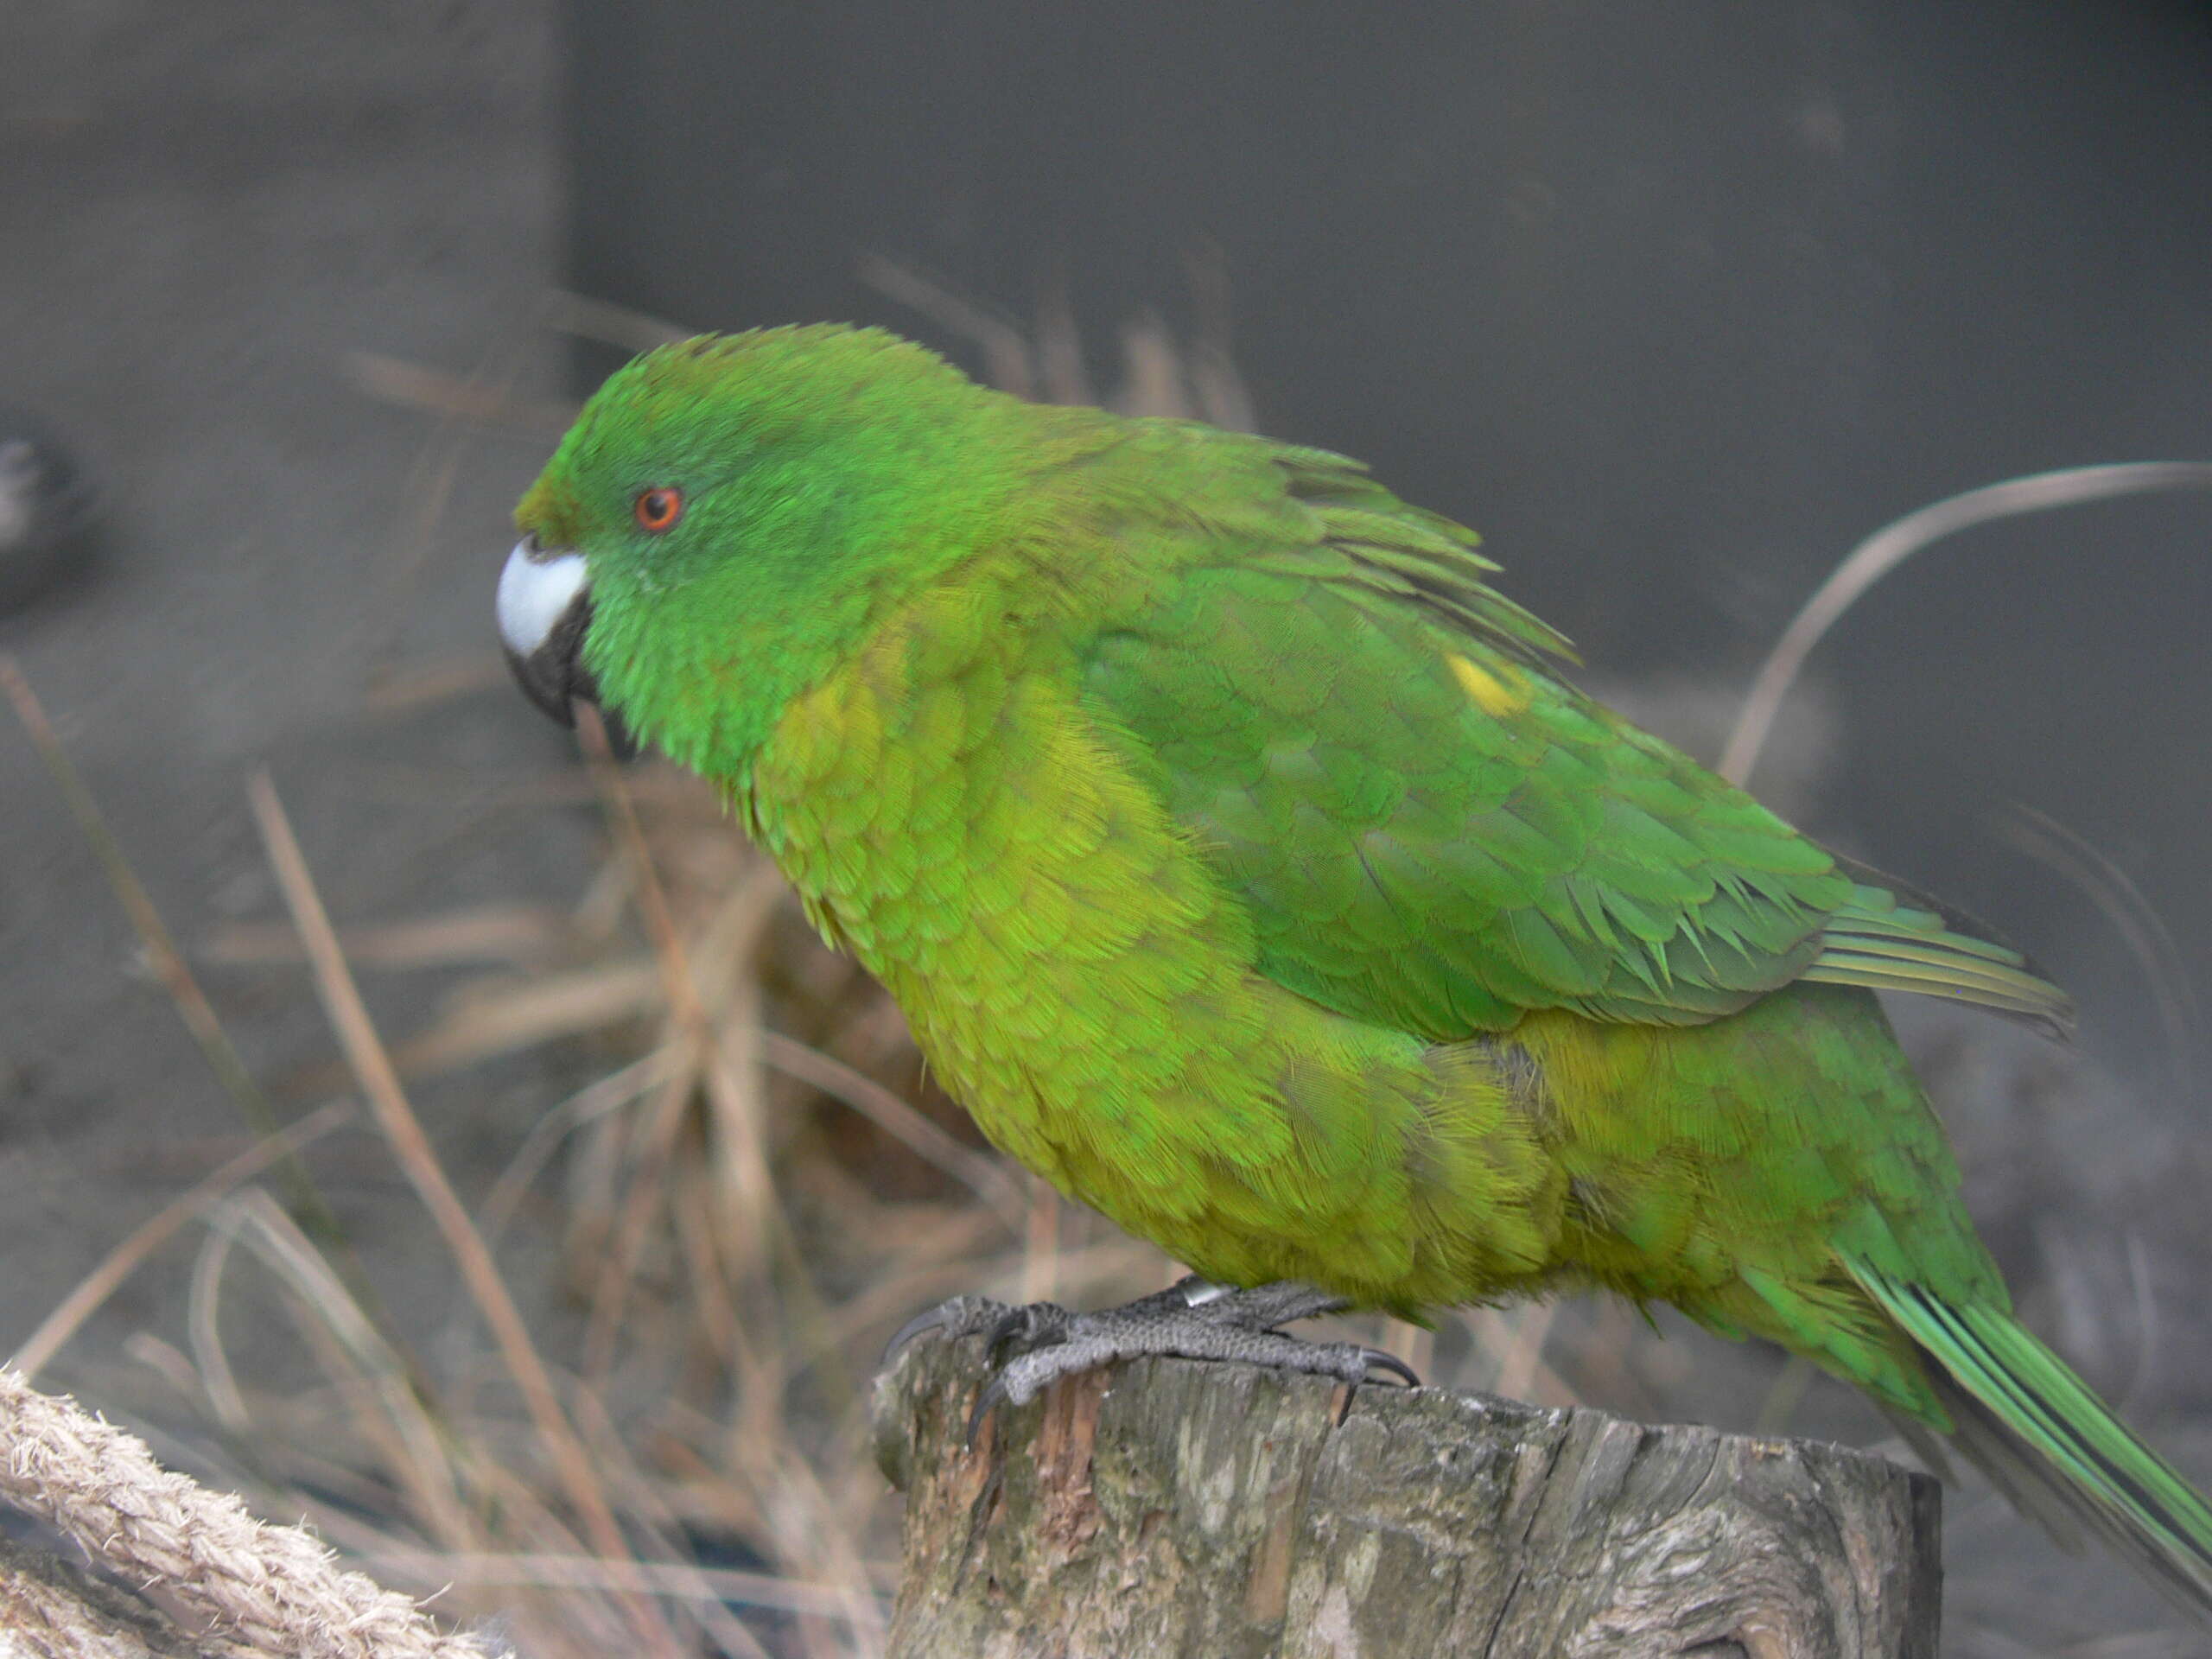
<point>1244,862</point>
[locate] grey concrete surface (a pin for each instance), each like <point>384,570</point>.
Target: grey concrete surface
<point>203,209</point>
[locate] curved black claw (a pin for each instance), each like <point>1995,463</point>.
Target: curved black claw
<point>1380,1361</point>
<point>957,1317</point>
<point>988,1400</point>
<point>928,1319</point>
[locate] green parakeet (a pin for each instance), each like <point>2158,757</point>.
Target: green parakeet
<point>1245,867</point>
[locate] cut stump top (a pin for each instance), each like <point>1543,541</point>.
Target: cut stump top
<point>1171,1508</point>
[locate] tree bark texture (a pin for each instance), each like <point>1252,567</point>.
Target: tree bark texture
<point>1169,1508</point>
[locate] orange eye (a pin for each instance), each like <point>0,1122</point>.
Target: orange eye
<point>658,510</point>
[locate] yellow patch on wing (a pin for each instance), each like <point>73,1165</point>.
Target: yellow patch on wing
<point>1499,693</point>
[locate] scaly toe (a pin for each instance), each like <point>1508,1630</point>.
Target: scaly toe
<point>1190,1320</point>
<point>957,1317</point>
<point>1265,1306</point>
<point>1033,1324</point>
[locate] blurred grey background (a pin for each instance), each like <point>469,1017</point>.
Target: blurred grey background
<point>1673,302</point>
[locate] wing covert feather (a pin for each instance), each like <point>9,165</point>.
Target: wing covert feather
<point>1432,831</point>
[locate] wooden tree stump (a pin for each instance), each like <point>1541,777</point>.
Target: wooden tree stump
<point>1167,1507</point>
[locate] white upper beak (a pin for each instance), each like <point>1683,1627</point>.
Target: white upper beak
<point>536,589</point>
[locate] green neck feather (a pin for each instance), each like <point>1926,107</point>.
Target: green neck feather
<point>827,473</point>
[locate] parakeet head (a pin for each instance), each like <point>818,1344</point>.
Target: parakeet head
<point>727,515</point>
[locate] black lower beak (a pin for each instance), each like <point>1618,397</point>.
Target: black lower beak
<point>555,678</point>
<point>551,673</point>
<point>544,616</point>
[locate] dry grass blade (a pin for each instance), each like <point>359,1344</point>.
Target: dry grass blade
<point>415,385</point>
<point>1515,1341</point>
<point>1008,362</point>
<point>1784,1394</point>
<point>607,323</point>
<point>1159,376</point>
<point>1059,350</point>
<point>504,1016</point>
<point>420,683</point>
<point>403,1132</point>
<point>652,901</point>
<point>2114,892</point>
<point>1154,381</point>
<point>1523,1359</point>
<point>643,1502</point>
<point>1894,543</point>
<point>744,1187</point>
<point>352,1353</point>
<point>509,933</point>
<point>676,1579</point>
<point>721,1058</point>
<point>950,1260</point>
<point>96,1287</point>
<point>516,934</point>
<point>501,1021</point>
<point>983,1175</point>
<point>161,953</point>
<point>655,1142</point>
<point>1413,1343</point>
<point>741,918</point>
<point>1222,397</point>
<point>1040,1246</point>
<point>586,1106</point>
<point>219,1383</point>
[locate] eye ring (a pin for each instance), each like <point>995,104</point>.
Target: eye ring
<point>658,510</point>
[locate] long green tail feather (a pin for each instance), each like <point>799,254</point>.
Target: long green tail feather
<point>2045,1438</point>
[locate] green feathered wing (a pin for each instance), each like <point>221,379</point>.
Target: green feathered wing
<point>1435,833</point>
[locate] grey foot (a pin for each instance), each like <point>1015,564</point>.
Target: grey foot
<point>1192,1321</point>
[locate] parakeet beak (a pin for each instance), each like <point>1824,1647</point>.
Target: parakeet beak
<point>544,607</point>
<point>544,611</point>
